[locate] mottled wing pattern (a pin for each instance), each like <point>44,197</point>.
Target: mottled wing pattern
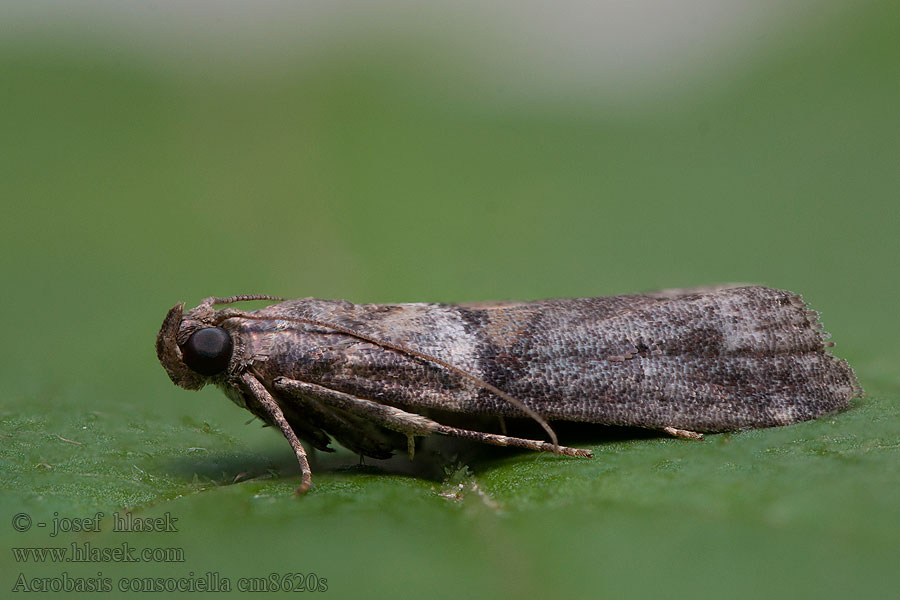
<point>707,360</point>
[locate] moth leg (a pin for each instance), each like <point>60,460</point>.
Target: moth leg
<point>505,440</point>
<point>411,424</point>
<point>351,431</point>
<point>271,408</point>
<point>683,433</point>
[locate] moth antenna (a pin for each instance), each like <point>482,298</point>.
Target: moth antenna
<point>241,298</point>
<point>231,314</point>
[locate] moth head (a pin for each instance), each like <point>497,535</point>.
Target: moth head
<point>191,349</point>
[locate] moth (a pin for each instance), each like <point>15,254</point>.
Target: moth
<point>681,361</point>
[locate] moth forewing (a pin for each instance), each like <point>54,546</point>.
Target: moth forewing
<point>680,361</point>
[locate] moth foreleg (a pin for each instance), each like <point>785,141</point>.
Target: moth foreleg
<point>271,408</point>
<point>412,424</point>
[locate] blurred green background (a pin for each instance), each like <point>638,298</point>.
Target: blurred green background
<point>426,154</point>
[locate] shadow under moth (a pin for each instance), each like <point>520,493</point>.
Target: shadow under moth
<point>680,361</point>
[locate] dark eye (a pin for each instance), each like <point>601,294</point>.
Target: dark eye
<point>208,350</point>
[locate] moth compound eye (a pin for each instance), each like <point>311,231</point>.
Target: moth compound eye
<point>208,350</point>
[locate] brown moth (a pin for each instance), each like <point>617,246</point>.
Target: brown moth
<point>680,361</point>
